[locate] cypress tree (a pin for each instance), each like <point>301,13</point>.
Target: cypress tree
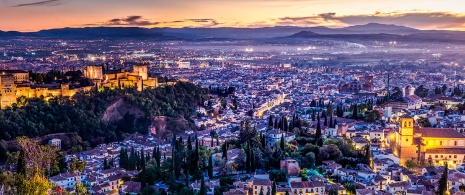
<point>286,125</point>
<point>189,143</point>
<point>196,154</point>
<point>105,164</point>
<point>326,121</point>
<point>132,160</point>
<point>210,166</point>
<point>281,144</point>
<point>313,115</point>
<point>443,187</point>
<point>247,158</point>
<point>331,121</point>
<point>318,129</point>
<point>270,121</point>
<point>225,151</point>
<point>355,112</point>
<point>252,163</point>
<point>274,189</point>
<point>263,141</point>
<point>21,163</point>
<point>203,187</point>
<point>142,160</point>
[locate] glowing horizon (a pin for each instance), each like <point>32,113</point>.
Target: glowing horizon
<point>34,15</point>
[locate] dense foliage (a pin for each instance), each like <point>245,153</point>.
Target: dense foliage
<point>84,111</point>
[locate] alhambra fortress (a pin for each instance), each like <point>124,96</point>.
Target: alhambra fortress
<point>16,83</point>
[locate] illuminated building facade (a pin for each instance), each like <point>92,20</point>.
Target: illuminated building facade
<point>428,146</point>
<point>121,78</point>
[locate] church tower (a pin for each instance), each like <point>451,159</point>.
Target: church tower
<point>404,141</point>
<point>406,132</point>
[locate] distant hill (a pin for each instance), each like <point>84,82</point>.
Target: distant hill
<point>376,28</point>
<point>437,36</point>
<point>226,33</point>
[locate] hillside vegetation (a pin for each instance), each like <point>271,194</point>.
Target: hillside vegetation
<point>82,115</point>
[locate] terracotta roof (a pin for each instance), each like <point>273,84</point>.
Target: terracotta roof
<point>132,186</point>
<point>365,192</point>
<point>307,184</point>
<point>261,182</point>
<point>438,132</point>
<point>235,192</point>
<point>446,151</point>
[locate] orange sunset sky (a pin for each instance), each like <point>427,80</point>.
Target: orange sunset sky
<point>34,15</point>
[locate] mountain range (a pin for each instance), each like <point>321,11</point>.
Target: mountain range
<point>374,30</point>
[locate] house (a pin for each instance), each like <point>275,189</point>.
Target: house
<point>399,187</point>
<point>66,180</point>
<point>235,192</point>
<point>291,166</point>
<point>131,187</point>
<point>261,184</point>
<point>210,187</point>
<point>308,187</point>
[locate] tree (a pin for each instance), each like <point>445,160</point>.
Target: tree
<point>329,152</point>
<point>21,163</point>
<point>189,143</point>
<point>76,165</point>
<point>331,122</point>
<point>241,160</point>
<point>203,187</point>
<point>274,189</point>
<point>282,143</point>
<point>278,175</point>
<point>210,166</point>
<point>105,164</point>
<point>261,191</point>
<point>318,132</point>
<point>329,109</point>
<point>225,168</point>
<point>367,158</point>
<point>411,164</point>
<point>443,187</point>
<point>350,187</point>
<point>421,91</point>
<point>225,151</point>
<point>333,191</point>
<point>355,112</point>
<point>270,121</point>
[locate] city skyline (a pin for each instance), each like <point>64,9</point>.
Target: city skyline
<point>34,15</point>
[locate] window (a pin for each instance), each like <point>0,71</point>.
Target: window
<point>406,140</point>
<point>450,156</point>
<point>455,143</point>
<point>455,156</point>
<point>440,143</point>
<point>429,156</point>
<point>436,156</point>
<point>442,156</point>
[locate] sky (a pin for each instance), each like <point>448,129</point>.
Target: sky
<point>34,15</point>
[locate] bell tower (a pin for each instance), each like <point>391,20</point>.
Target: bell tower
<point>406,131</point>
<point>406,150</point>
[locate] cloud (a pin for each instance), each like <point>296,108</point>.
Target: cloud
<point>421,20</point>
<point>129,21</point>
<point>140,21</point>
<point>41,3</point>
